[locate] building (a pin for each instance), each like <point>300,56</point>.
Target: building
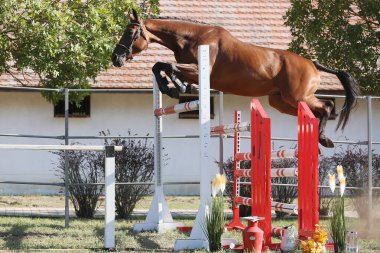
<point>258,22</point>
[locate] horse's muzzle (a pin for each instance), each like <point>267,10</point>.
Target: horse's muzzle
<point>118,60</point>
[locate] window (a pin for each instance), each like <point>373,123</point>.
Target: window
<point>194,114</point>
<point>81,110</point>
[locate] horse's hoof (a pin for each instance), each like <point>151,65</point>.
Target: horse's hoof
<point>173,93</point>
<point>188,89</point>
<point>326,142</point>
<point>192,89</point>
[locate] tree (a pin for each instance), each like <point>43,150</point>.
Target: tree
<point>65,43</point>
<point>344,34</point>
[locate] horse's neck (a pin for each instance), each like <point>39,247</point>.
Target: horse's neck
<point>170,34</point>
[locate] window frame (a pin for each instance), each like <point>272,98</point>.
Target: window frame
<point>83,111</point>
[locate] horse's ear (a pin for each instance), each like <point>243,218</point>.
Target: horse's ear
<point>134,17</point>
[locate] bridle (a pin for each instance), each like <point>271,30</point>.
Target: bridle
<point>135,36</point>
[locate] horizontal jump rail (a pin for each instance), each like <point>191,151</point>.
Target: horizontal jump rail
<point>243,156</point>
<point>285,153</point>
<point>231,128</point>
<point>285,208</point>
<point>184,107</point>
<point>55,147</point>
<point>284,172</point>
<point>277,206</point>
<point>243,201</point>
<point>276,172</point>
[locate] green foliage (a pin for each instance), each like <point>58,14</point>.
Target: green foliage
<point>339,33</point>
<point>324,193</point>
<point>337,225</point>
<point>135,163</point>
<point>84,167</point>
<point>214,223</point>
<point>66,43</point>
<point>354,159</point>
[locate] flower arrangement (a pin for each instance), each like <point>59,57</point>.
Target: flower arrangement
<point>315,244</point>
<point>215,220</point>
<point>338,221</point>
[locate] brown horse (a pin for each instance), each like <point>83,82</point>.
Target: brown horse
<point>236,67</point>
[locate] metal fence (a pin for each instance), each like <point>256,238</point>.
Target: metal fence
<point>369,142</point>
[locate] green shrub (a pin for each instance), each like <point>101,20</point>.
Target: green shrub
<point>325,198</point>
<point>354,160</point>
<point>135,163</point>
<point>84,167</point>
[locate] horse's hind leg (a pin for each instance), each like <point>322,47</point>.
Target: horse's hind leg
<point>276,101</point>
<point>322,110</point>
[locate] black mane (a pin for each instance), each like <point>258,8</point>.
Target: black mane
<point>182,19</point>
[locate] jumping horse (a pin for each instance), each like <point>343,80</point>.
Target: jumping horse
<point>236,67</point>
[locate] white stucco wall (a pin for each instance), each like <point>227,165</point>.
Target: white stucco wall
<point>29,113</point>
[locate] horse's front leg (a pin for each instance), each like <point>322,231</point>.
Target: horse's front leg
<point>180,74</point>
<point>188,74</point>
<point>161,80</point>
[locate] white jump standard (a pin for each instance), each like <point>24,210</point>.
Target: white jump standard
<point>197,238</point>
<point>159,217</point>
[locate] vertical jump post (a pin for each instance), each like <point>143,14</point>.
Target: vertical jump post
<point>197,239</point>
<point>109,219</point>
<point>159,217</point>
<point>308,205</point>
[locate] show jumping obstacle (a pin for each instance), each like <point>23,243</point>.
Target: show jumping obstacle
<point>159,217</point>
<point>261,172</point>
<point>109,178</point>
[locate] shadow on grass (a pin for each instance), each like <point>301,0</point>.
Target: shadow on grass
<point>143,239</point>
<point>14,237</point>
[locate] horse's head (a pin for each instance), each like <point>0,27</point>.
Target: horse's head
<point>132,42</point>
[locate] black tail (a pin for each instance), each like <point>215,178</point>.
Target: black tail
<point>350,88</point>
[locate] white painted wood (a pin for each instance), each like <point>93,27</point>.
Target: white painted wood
<point>109,217</point>
<point>198,239</point>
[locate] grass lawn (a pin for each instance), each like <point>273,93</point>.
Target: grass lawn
<point>86,235</point>
<point>35,201</point>
<point>41,234</point>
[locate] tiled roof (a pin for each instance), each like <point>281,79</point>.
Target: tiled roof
<point>256,21</point>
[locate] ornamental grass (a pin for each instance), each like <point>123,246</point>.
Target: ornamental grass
<point>337,224</point>
<point>215,220</point>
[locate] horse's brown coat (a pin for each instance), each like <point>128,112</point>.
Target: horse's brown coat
<point>236,67</point>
